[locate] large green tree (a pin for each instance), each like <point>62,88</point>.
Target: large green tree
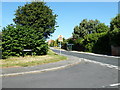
<point>34,23</point>
<point>89,26</point>
<point>38,16</point>
<point>85,27</point>
<point>101,27</point>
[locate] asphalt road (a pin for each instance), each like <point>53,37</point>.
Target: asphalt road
<point>103,59</point>
<point>83,75</point>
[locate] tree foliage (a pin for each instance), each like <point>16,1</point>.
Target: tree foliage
<point>52,43</point>
<point>101,27</point>
<point>97,43</point>
<point>91,36</point>
<point>115,31</point>
<point>17,38</point>
<point>0,35</point>
<point>115,23</point>
<point>84,28</point>
<point>35,22</point>
<point>0,42</point>
<point>38,16</point>
<point>89,26</point>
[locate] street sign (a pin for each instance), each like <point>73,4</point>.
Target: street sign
<point>60,38</point>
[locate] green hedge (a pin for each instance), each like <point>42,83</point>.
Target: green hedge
<point>115,37</point>
<point>97,43</point>
<point>115,31</point>
<point>17,38</point>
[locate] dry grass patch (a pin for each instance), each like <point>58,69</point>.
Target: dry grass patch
<point>31,60</point>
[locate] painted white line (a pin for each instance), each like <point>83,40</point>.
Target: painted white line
<point>102,64</point>
<point>112,85</point>
<point>96,54</point>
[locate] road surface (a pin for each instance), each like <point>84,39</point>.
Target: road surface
<point>104,59</point>
<point>83,75</point>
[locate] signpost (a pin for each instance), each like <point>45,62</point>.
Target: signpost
<point>27,50</point>
<point>69,47</point>
<point>60,39</point>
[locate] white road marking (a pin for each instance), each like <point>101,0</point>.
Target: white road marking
<point>102,64</point>
<point>96,54</point>
<point>112,85</point>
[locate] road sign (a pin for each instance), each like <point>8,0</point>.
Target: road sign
<point>60,38</point>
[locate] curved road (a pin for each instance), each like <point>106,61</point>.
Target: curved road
<point>104,59</point>
<point>83,75</point>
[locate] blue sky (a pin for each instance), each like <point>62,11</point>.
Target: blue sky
<point>69,14</point>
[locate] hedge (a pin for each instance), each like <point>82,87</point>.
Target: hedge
<point>97,43</point>
<point>17,38</point>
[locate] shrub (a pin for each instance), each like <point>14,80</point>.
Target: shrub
<point>97,43</point>
<point>115,37</point>
<point>102,46</point>
<point>115,31</point>
<point>17,38</point>
<point>78,46</point>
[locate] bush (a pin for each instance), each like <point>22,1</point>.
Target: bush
<point>78,46</point>
<point>97,43</point>
<point>17,38</point>
<point>115,37</point>
<point>89,41</point>
<point>102,46</point>
<point>115,31</point>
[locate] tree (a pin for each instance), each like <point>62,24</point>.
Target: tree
<point>84,28</point>
<point>52,43</point>
<point>78,32</point>
<point>35,22</point>
<point>91,26</point>
<point>55,44</point>
<point>0,35</point>
<point>115,23</point>
<point>0,41</point>
<point>37,16</point>
<point>115,31</point>
<point>89,34</point>
<point>101,27</point>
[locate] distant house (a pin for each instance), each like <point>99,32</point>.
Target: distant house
<point>50,41</point>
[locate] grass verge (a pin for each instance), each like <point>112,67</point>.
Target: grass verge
<point>56,47</point>
<point>31,60</point>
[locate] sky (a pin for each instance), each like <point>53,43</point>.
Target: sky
<point>69,14</point>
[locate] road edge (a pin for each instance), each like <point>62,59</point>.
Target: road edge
<point>118,57</point>
<point>40,71</point>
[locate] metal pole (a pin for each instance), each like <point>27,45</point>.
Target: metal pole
<point>60,48</point>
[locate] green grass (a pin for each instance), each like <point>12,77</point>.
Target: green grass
<point>56,47</point>
<point>31,60</point>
